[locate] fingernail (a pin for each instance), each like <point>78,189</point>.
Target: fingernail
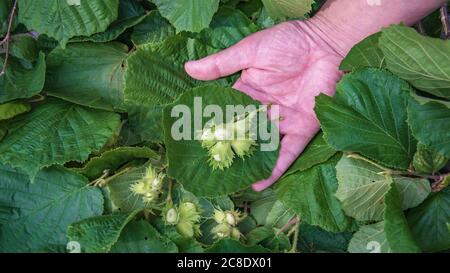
<point>189,67</point>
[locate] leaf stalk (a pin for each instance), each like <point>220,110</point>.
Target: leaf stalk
<point>6,40</point>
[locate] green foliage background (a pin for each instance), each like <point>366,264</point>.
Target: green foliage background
<point>85,103</point>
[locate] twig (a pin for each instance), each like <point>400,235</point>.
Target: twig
<point>37,98</point>
<point>7,38</point>
<point>420,28</point>
<point>246,207</point>
<point>105,178</point>
<point>414,174</point>
<point>386,171</point>
<point>440,184</point>
<point>98,182</point>
<point>296,231</point>
<point>445,22</point>
<point>169,192</point>
<point>291,222</point>
<point>146,215</point>
<point>437,186</point>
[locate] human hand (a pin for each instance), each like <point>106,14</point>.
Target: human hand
<point>287,65</point>
<point>291,63</point>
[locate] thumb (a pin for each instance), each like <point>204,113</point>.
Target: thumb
<point>224,63</point>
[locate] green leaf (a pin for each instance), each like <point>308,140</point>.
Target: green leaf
<point>188,160</point>
<point>268,238</point>
<point>193,15</point>
<point>368,116</point>
<point>160,84</point>
<point>24,47</point>
<point>370,239</point>
<point>391,235</point>
<point>153,30</point>
<point>61,20</point>
<point>311,195</point>
<point>422,61</point>
<point>250,8</point>
<point>145,123</point>
<point>130,8</point>
<point>247,225</point>
<point>113,32</point>
<point>113,159</point>
<point>228,27</point>
<point>428,161</point>
<point>179,195</point>
<point>423,98</point>
<point>141,237</point>
<point>153,79</point>
<point>54,133</point>
<point>130,14</point>
<point>412,191</point>
<point>208,205</point>
<point>34,216</point>
<point>278,215</point>
<point>46,44</point>
<point>185,245</point>
<point>428,222</point>
<point>432,24</point>
<point>22,81</point>
<point>317,151</point>
<point>365,54</point>
<point>99,234</point>
<point>5,8</point>
<point>396,227</point>
<point>181,48</point>
<point>233,246</point>
<point>88,74</point>
<point>429,124</point>
<point>313,239</point>
<point>279,9</point>
<point>363,187</point>
<point>121,195</point>
<point>268,211</point>
<point>259,234</point>
<point>261,205</point>
<point>265,21</point>
<point>3,130</point>
<point>11,109</point>
<point>107,204</point>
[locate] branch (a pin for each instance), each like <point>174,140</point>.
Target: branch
<point>7,38</point>
<point>420,28</point>
<point>169,192</point>
<point>445,22</point>
<point>296,231</point>
<point>409,173</point>
<point>441,184</point>
<point>414,174</point>
<point>105,178</point>
<point>291,222</point>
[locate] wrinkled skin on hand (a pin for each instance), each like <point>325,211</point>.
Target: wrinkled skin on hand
<point>287,65</point>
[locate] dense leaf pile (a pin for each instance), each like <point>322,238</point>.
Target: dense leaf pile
<point>86,154</point>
